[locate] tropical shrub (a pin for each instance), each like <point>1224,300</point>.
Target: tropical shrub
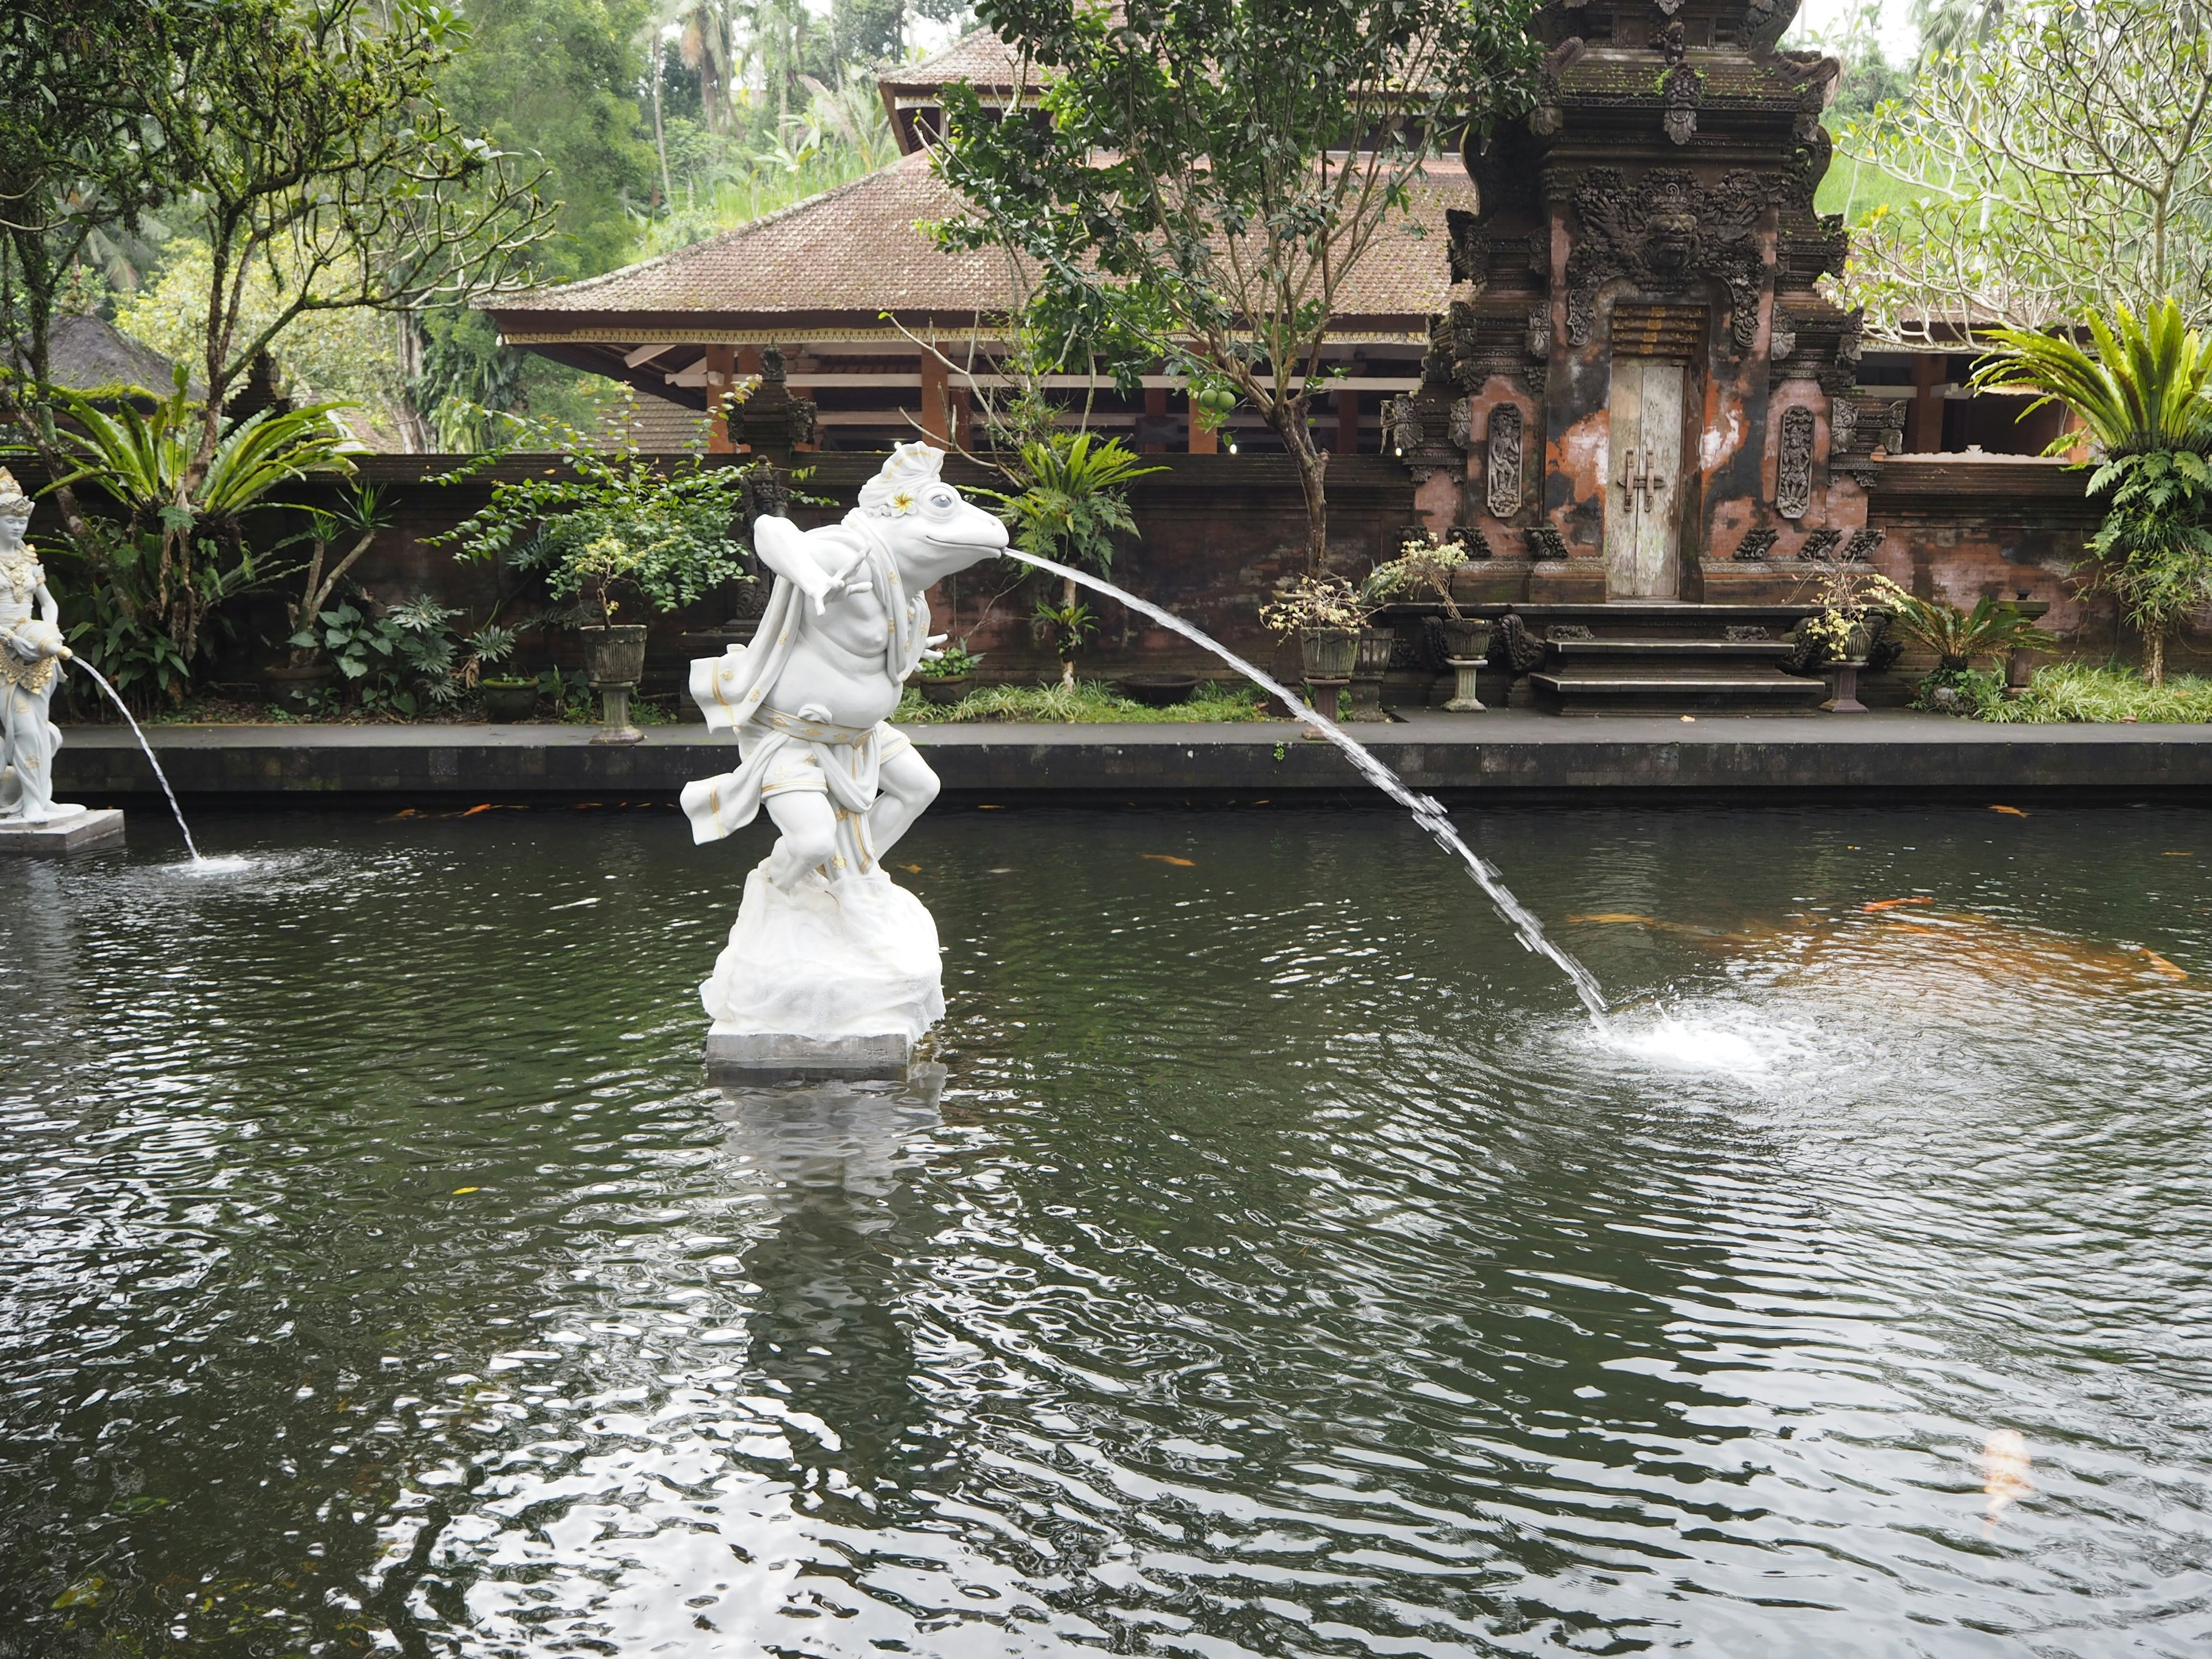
<point>2144,398</point>
<point>612,530</point>
<point>180,552</point>
<point>2079,691</point>
<point>403,659</point>
<point>1313,602</point>
<point>1075,502</point>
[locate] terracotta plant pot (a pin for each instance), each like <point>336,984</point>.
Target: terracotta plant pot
<point>1328,653</point>
<point>508,700</point>
<point>1159,690</point>
<point>615,656</point>
<point>942,690</point>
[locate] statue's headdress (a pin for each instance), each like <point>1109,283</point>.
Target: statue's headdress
<point>894,490</point>
<point>12,498</point>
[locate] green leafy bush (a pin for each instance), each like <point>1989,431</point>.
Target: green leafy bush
<point>2086,692</point>
<point>950,662</point>
<point>613,529</point>
<point>403,659</point>
<point>1086,701</point>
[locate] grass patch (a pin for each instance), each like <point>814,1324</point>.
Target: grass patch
<point>2092,695</point>
<point>1088,701</point>
<point>1855,189</point>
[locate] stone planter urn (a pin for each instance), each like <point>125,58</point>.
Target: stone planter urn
<point>615,657</point>
<point>506,701</point>
<point>942,690</point>
<point>1327,656</point>
<point>1466,647</point>
<point>1370,663</point>
<point>289,684</point>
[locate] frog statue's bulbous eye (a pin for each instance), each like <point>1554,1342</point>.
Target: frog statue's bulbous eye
<point>941,503</point>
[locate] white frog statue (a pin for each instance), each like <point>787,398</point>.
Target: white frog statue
<point>31,654</point>
<point>825,944</point>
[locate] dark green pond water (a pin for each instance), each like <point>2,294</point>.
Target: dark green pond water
<point>1283,1267</point>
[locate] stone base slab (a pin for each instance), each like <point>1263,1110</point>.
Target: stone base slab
<point>60,837</point>
<point>766,1057</point>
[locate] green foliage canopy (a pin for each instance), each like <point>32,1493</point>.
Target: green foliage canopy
<point>1202,178</point>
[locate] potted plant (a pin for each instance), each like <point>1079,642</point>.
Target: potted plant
<point>1993,627</point>
<point>942,678</point>
<point>613,536</point>
<point>1326,616</point>
<point>1075,502</point>
<point>1425,567</point>
<point>1853,601</point>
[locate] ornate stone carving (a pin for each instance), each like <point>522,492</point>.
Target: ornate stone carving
<point>1793,467</point>
<point>1504,460</point>
<point>1545,542</point>
<point>1682,87</point>
<point>1756,545</point>
<point>1477,544</point>
<point>1462,416</point>
<point>1843,424</point>
<point>1860,549</point>
<point>1420,429</point>
<point>1821,545</point>
<point>1782,335</point>
<point>1469,248</point>
<point>1747,632</point>
<point>1401,424</point>
<point>1844,372</point>
<point>1548,118</point>
<point>1573,632</point>
<point>1663,233</point>
<point>1539,331</point>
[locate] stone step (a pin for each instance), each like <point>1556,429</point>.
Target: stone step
<point>1657,691</point>
<point>1748,650</point>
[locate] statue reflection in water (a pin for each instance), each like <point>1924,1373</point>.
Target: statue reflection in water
<point>834,1160</point>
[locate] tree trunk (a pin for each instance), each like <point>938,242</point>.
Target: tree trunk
<point>1289,423</point>
<point>1067,633</point>
<point>2154,664</point>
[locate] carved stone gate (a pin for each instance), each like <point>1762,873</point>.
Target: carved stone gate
<point>1652,398</point>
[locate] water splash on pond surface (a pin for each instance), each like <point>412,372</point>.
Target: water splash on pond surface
<point>1427,811</point>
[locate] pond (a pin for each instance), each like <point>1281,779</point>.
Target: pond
<point>1279,1265</point>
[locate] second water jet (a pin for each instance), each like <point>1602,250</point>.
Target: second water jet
<point>1427,811</point>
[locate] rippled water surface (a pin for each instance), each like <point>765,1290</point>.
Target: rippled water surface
<point>1281,1265</point>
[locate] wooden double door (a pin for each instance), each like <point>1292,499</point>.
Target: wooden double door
<point>1644,497</point>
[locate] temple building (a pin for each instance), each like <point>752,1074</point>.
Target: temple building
<point>1597,351</point>
<point>852,292</point>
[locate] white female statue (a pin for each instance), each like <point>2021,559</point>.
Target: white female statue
<point>31,651</point>
<point>825,946</point>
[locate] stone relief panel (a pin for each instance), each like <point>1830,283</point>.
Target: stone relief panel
<point>1663,233</point>
<point>1505,460</point>
<point>1793,468</point>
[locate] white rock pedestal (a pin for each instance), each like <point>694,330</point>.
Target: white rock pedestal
<point>81,832</point>
<point>832,980</point>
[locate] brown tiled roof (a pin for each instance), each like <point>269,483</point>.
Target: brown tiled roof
<point>979,58</point>
<point>835,261</point>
